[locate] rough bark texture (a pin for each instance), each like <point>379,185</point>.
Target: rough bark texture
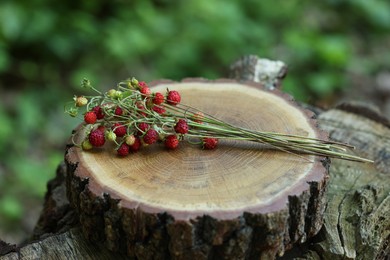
<point>268,72</point>
<point>356,218</point>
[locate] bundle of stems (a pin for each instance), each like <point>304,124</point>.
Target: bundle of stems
<point>137,106</point>
<point>296,144</point>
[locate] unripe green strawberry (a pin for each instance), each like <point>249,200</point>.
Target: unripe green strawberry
<point>134,81</point>
<point>130,139</point>
<point>86,145</point>
<point>80,101</point>
<point>111,136</point>
<point>111,93</point>
<point>118,94</point>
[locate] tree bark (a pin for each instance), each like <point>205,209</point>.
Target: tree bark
<point>356,218</point>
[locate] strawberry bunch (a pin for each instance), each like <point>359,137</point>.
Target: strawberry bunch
<point>132,116</point>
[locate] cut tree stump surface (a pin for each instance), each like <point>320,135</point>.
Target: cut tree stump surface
<point>197,203</point>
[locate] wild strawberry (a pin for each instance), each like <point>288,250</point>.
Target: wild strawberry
<point>142,84</point>
<point>158,109</point>
<point>145,91</point>
<point>210,143</point>
<point>80,101</point>
<point>101,128</point>
<point>151,136</point>
<point>90,117</point>
<point>130,139</point>
<point>119,129</point>
<point>171,142</point>
<point>111,93</point>
<point>181,127</point>
<point>118,94</point>
<point>111,136</point>
<point>134,81</point>
<point>118,111</point>
<point>158,98</point>
<point>96,138</point>
<point>173,97</point>
<point>143,127</point>
<point>198,117</point>
<point>123,150</point>
<point>136,145</point>
<point>86,145</point>
<point>98,111</point>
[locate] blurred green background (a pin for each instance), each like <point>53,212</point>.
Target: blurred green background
<point>48,47</point>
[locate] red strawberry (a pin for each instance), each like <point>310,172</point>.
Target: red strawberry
<point>98,111</point>
<point>141,107</point>
<point>210,143</point>
<point>145,91</point>
<point>136,145</point>
<point>151,136</point>
<point>123,150</point>
<point>158,98</point>
<point>143,127</point>
<point>90,117</point>
<point>101,128</point>
<point>171,142</point>
<point>158,109</point>
<point>142,84</point>
<point>198,117</point>
<point>96,138</point>
<point>181,127</point>
<point>173,97</point>
<point>119,129</point>
<point>118,111</point>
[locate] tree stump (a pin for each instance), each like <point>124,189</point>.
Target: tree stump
<point>240,201</point>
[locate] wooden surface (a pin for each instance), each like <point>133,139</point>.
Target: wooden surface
<point>356,218</point>
<point>190,182</point>
<point>240,200</point>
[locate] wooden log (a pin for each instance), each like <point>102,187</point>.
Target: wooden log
<point>357,219</point>
<point>242,200</point>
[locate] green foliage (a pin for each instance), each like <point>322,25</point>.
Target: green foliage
<point>48,47</point>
